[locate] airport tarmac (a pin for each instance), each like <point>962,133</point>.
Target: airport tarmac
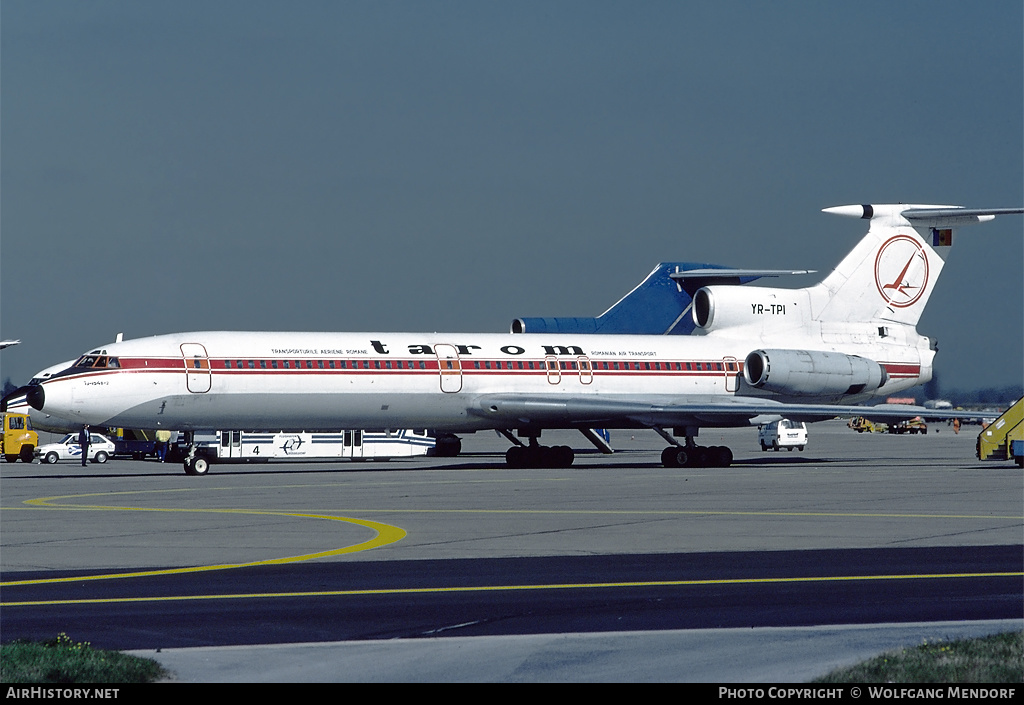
<point>845,491</point>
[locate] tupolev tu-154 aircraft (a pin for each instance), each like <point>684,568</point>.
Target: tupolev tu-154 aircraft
<point>756,354</point>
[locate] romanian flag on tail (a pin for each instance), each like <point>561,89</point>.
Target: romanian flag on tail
<point>942,238</point>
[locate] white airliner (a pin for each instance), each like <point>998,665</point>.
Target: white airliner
<point>757,354</point>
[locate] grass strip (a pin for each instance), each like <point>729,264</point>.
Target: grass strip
<point>63,660</point>
<point>994,659</point>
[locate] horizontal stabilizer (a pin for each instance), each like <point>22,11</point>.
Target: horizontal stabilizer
<point>733,273</point>
<point>920,215</point>
<point>946,217</point>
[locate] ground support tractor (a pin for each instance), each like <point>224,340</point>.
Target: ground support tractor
<point>18,440</point>
<point>861,424</point>
<point>914,425</point>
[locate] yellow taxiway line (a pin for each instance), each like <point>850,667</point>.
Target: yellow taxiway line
<point>512,588</point>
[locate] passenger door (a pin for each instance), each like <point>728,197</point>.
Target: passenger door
<point>450,367</point>
<point>197,368</point>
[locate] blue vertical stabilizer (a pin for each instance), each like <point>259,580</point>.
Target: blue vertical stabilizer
<point>659,305</point>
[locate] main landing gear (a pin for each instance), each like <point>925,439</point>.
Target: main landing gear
<point>538,456</point>
<point>692,455</point>
<point>696,457</point>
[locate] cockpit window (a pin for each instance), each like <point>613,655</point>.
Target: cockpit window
<point>100,361</point>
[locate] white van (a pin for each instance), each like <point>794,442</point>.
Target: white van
<point>783,434</point>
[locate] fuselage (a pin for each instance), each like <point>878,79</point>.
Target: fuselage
<point>326,381</point>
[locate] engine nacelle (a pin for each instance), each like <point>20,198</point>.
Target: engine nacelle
<point>719,307</point>
<point>812,373</point>
<point>554,325</point>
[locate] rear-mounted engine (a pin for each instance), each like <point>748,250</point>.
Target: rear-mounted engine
<point>812,373</point>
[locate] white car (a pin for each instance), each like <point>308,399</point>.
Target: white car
<point>783,434</point>
<point>100,448</point>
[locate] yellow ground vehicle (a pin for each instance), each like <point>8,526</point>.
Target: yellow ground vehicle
<point>861,424</point>
<point>1003,439</point>
<point>914,425</point>
<point>18,439</point>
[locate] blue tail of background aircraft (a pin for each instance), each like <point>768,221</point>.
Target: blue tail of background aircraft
<point>659,305</point>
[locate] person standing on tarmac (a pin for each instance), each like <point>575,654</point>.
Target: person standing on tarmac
<point>83,441</point>
<point>163,440</point>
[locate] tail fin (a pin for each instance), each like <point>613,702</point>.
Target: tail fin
<point>893,269</point>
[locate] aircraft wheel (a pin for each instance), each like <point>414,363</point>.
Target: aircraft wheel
<point>683,458</point>
<point>700,458</point>
<point>51,458</point>
<point>668,457</point>
<point>100,457</point>
<point>562,456</point>
<point>200,466</point>
<point>515,457</point>
<point>447,445</point>
<point>720,456</point>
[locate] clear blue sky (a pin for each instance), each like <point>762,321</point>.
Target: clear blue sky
<point>333,165</point>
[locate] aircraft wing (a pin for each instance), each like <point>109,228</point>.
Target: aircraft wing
<point>560,411</point>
